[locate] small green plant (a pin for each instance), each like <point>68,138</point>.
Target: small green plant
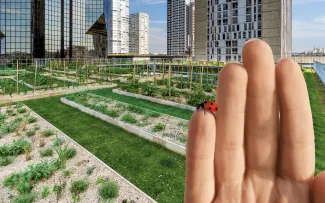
<point>136,109</point>
<point>57,142</point>
<point>30,133</point>
<point>100,180</point>
<point>22,110</point>
<point>90,170</point>
<point>153,114</point>
<point>31,119</point>
<point>46,152</point>
<point>64,153</point>
<point>45,192</point>
<point>58,189</point>
<point>129,118</point>
<point>68,172</point>
<point>36,127</point>
<point>113,113</point>
<point>25,198</point>
<point>71,153</point>
<point>19,105</point>
<point>108,190</point>
<point>158,128</point>
<point>48,132</point>
<point>79,186</point>
<point>17,147</point>
<point>5,161</point>
<point>10,112</point>
<point>120,105</point>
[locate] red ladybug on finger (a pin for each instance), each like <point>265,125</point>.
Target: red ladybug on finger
<point>208,106</point>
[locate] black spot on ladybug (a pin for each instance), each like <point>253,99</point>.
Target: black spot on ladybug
<point>210,108</point>
<point>211,103</point>
<point>205,102</point>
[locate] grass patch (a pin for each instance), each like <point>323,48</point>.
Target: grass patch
<point>129,118</point>
<point>316,94</point>
<point>136,109</point>
<point>136,159</point>
<point>78,186</point>
<point>173,111</point>
<point>25,198</point>
<point>30,133</point>
<point>48,132</point>
<point>31,119</point>
<point>108,190</point>
<point>5,161</point>
<point>46,152</point>
<point>16,148</point>
<point>22,110</point>
<point>113,113</point>
<point>158,128</point>
<point>90,170</point>
<point>58,142</point>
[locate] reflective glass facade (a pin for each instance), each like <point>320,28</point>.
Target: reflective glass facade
<point>49,28</point>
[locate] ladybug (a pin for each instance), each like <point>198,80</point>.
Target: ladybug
<point>208,106</point>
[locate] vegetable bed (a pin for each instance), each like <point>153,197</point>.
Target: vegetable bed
<point>38,163</point>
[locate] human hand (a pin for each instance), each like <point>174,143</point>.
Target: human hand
<point>248,154</point>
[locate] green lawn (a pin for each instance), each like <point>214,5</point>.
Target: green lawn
<point>177,112</point>
<point>158,172</point>
<point>317,98</point>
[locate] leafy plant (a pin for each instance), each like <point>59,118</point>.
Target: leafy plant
<point>58,189</point>
<point>4,161</point>
<point>79,186</point>
<point>109,190</point>
<point>90,170</point>
<point>46,152</point>
<point>41,143</point>
<point>36,127</point>
<point>45,192</point>
<point>68,172</point>
<point>71,153</point>
<point>99,180</point>
<point>17,147</point>
<point>159,127</point>
<point>48,132</point>
<point>129,118</point>
<point>64,153</point>
<point>153,114</point>
<point>25,198</point>
<point>196,98</point>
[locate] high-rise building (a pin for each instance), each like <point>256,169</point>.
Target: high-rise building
<point>139,33</point>
<point>224,26</point>
<point>179,23</point>
<point>117,25</point>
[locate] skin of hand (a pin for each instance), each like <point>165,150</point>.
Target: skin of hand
<point>260,146</point>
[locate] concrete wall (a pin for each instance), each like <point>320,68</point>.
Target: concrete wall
<point>201,23</point>
<point>277,26</point>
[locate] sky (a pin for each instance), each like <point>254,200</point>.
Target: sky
<point>308,23</point>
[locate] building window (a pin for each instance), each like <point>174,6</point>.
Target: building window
<point>235,35</point>
<point>216,43</point>
<point>239,35</point>
<point>259,33</point>
<point>248,18</point>
<point>244,34</point>
<point>234,20</point>
<point>234,50</point>
<point>234,43</point>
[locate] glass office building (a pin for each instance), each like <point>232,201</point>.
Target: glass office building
<point>49,28</point>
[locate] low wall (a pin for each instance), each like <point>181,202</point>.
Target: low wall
<point>169,145</point>
<point>155,100</point>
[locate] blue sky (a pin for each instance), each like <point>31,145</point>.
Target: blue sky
<point>308,23</point>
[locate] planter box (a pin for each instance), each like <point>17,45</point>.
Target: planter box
<point>155,100</point>
<point>149,136</point>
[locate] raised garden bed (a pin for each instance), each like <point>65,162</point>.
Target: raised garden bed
<point>32,170</point>
<point>161,128</point>
<point>9,86</point>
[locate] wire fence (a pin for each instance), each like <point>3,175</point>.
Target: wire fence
<point>320,70</point>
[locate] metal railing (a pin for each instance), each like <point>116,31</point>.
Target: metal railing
<point>320,70</point>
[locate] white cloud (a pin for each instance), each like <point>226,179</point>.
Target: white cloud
<point>151,1</point>
<point>306,1</point>
<point>158,40</point>
<point>320,19</point>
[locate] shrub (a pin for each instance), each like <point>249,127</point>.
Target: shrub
<point>46,152</point>
<point>120,105</point>
<point>165,92</point>
<point>5,161</point>
<point>45,192</point>
<point>159,127</point>
<point>48,132</point>
<point>66,173</point>
<point>31,119</point>
<point>64,153</point>
<point>78,186</point>
<point>149,90</point>
<point>30,133</point>
<point>196,98</point>
<point>136,109</point>
<point>109,190</point>
<point>25,198</point>
<point>15,148</point>
<point>129,118</point>
<point>58,190</point>
<point>90,170</point>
